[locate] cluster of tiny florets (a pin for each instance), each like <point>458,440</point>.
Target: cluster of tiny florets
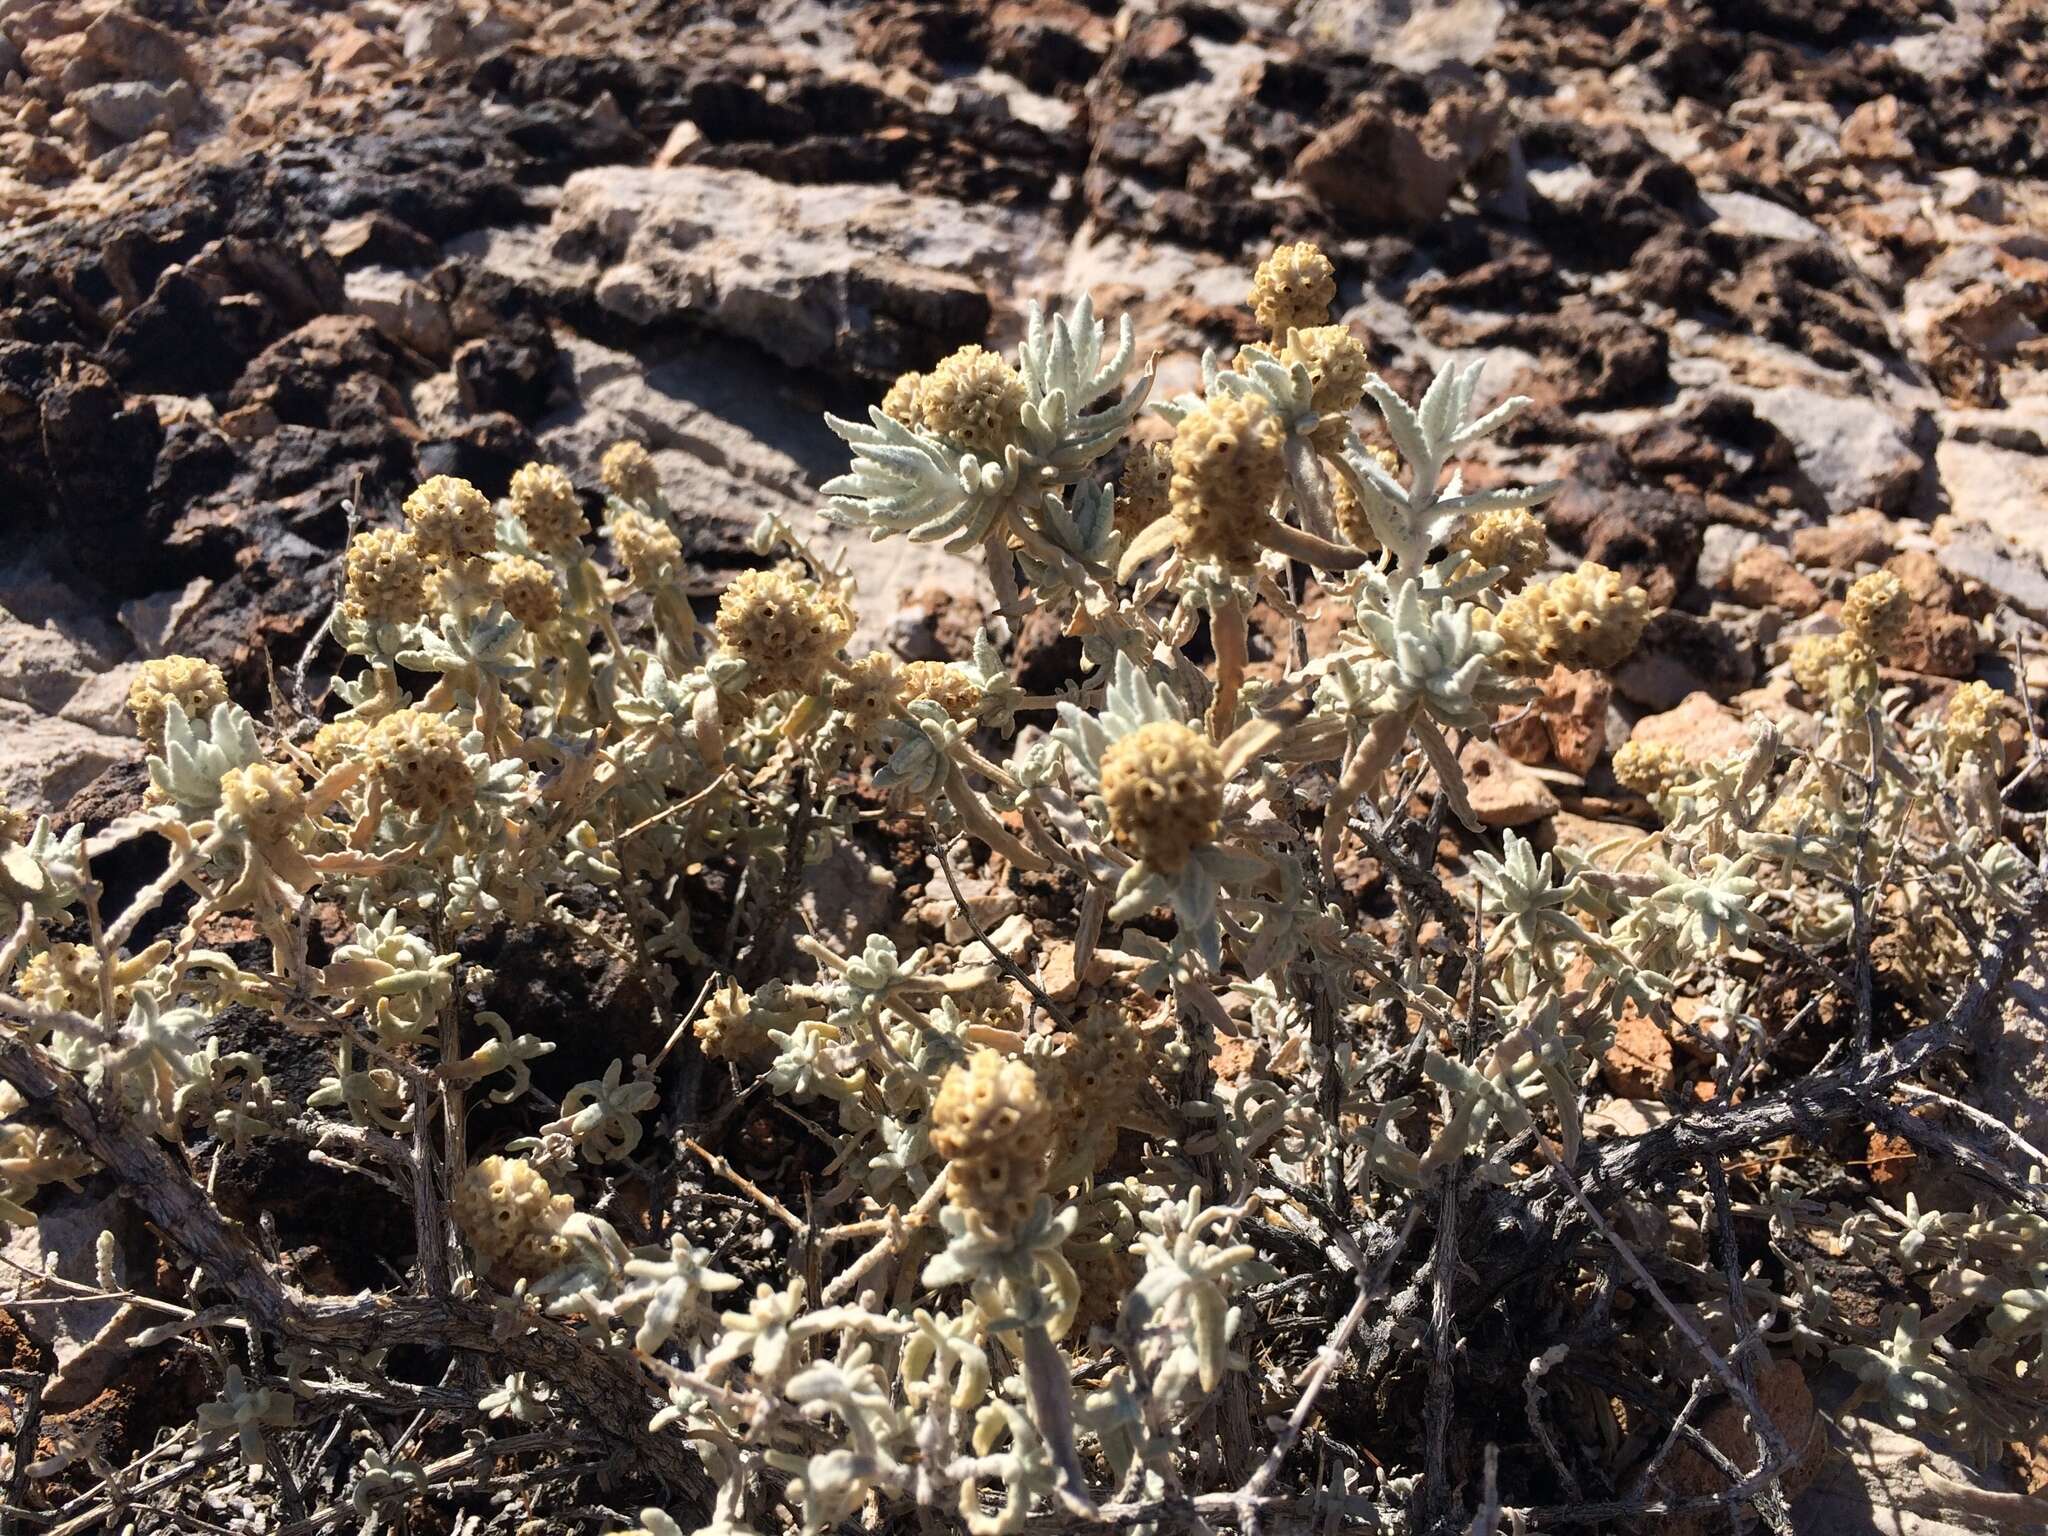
<point>1336,364</point>
<point>1511,538</point>
<point>1587,618</point>
<point>973,398</point>
<point>1652,768</point>
<point>197,687</point>
<point>386,580</point>
<point>1293,289</point>
<point>1875,610</point>
<point>869,691</point>
<point>1971,724</point>
<point>785,628</point>
<point>545,502</point>
<point>992,1122</point>
<point>948,687</point>
<point>1838,668</point>
<point>628,472</point>
<point>450,518</point>
<point>267,798</point>
<point>511,1216</point>
<point>1227,467</point>
<point>904,401</point>
<point>1163,785</point>
<point>647,547</point>
<point>418,757</point>
<point>528,590</point>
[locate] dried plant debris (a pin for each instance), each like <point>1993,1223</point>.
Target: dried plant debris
<point>1202,1122</point>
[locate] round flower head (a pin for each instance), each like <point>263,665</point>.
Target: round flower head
<point>628,472</point>
<point>787,629</point>
<point>870,692</point>
<point>1227,467</point>
<point>14,825</point>
<point>948,687</point>
<point>418,757</point>
<point>1652,768</point>
<point>1970,725</point>
<point>1293,288</point>
<point>1143,489</point>
<point>450,518</point>
<point>1838,668</point>
<point>387,578</point>
<point>992,1123</point>
<point>903,403</point>
<point>1335,360</point>
<point>1588,618</point>
<point>647,547</point>
<point>1163,784</point>
<point>68,976</point>
<point>198,687</point>
<point>1511,537</point>
<point>510,1215</point>
<point>338,740</point>
<point>545,502</point>
<point>266,798</point>
<point>974,399</point>
<point>528,591</point>
<point>1875,611</point>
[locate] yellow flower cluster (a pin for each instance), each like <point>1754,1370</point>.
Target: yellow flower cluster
<point>528,590</point>
<point>1652,768</point>
<point>628,472</point>
<point>1227,467</point>
<point>418,757</point>
<point>647,547</point>
<point>868,692</point>
<point>1875,610</point>
<point>198,687</point>
<point>1163,784</point>
<point>1970,725</point>
<point>786,628</point>
<point>1838,668</point>
<point>450,518</point>
<point>904,401</point>
<point>1510,537</point>
<point>512,1218</point>
<point>1336,364</point>
<point>992,1123</point>
<point>1587,618</point>
<point>949,688</point>
<point>975,399</point>
<point>1101,1078</point>
<point>545,502</point>
<point>386,581</point>
<point>266,798</point>
<point>1293,288</point>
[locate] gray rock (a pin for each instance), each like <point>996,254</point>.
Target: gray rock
<point>1744,213</point>
<point>864,277</point>
<point>89,1338</point>
<point>1720,548</point>
<point>2015,574</point>
<point>127,109</point>
<point>48,759</point>
<point>403,309</point>
<point>1856,453</point>
<point>2006,490</point>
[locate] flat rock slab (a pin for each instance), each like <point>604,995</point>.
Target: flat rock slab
<point>868,278</point>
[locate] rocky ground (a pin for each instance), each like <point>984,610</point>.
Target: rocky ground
<point>1773,271</point>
